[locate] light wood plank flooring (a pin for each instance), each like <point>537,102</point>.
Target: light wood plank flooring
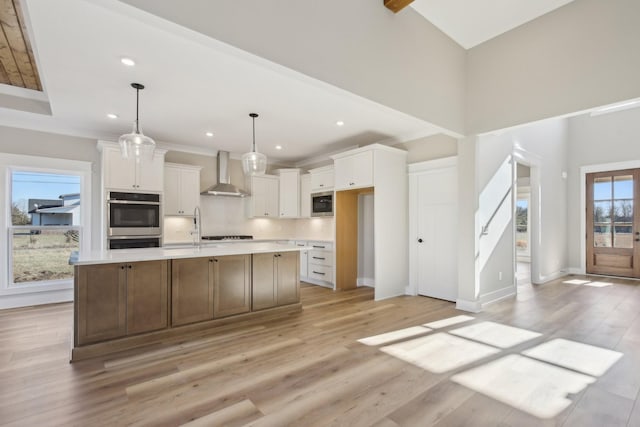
<point>309,369</point>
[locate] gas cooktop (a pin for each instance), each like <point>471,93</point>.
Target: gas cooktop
<point>237,237</point>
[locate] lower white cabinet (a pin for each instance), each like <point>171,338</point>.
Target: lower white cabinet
<point>319,263</point>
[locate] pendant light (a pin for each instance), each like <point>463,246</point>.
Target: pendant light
<point>136,144</point>
<point>254,163</point>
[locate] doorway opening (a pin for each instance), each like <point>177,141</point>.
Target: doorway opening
<point>522,224</point>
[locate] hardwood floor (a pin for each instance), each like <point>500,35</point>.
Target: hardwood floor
<point>309,369</point>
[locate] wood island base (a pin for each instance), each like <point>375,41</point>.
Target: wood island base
<point>178,334</point>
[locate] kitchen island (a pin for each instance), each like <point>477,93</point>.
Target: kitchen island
<point>136,297</point>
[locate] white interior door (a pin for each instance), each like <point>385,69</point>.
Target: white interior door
<point>435,227</point>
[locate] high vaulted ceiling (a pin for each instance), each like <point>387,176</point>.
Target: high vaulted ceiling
<point>471,22</point>
<point>195,84</point>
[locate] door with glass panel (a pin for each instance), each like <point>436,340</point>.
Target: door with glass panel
<point>613,226</point>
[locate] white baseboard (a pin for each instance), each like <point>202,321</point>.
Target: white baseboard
<point>366,281</point>
<point>575,270</point>
<point>498,295</point>
<point>316,282</point>
<point>549,277</point>
<point>470,306</point>
<point>29,299</point>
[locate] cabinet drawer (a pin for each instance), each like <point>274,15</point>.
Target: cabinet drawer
<point>328,246</point>
<point>321,257</point>
<point>321,272</point>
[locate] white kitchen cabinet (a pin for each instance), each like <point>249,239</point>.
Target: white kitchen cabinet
<point>181,189</point>
<point>354,171</point>
<point>304,257</point>
<point>263,201</point>
<point>129,175</point>
<point>322,179</point>
<point>305,196</point>
<point>320,263</point>
<point>289,192</point>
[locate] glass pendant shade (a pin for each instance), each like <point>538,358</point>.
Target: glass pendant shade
<point>136,144</point>
<point>254,163</point>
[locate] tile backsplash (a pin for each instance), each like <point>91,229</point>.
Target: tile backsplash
<point>227,216</point>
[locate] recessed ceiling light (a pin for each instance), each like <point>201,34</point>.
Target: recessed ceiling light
<point>209,134</point>
<point>340,123</point>
<point>112,116</point>
<point>128,62</point>
<point>278,147</point>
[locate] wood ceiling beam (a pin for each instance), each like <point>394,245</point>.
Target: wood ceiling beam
<point>397,5</point>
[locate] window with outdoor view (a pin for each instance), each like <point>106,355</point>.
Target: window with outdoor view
<point>45,226</point>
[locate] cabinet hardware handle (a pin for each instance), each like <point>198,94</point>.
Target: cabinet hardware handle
<point>419,240</point>
<point>319,247</point>
<point>321,185</point>
<point>130,267</point>
<point>317,257</point>
<point>317,272</point>
<point>122,267</point>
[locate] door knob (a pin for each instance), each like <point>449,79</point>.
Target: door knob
<point>419,240</point>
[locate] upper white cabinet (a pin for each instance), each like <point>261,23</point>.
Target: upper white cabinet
<point>305,196</point>
<point>181,189</point>
<point>129,175</point>
<point>264,196</point>
<point>322,179</point>
<point>354,170</point>
<point>289,197</point>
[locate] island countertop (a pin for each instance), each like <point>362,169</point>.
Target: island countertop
<point>204,250</point>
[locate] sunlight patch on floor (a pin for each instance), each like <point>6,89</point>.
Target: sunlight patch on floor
<point>574,355</point>
<point>495,334</point>
<point>599,284</point>
<point>394,335</point>
<point>576,282</point>
<point>439,352</point>
<point>448,322</point>
<point>529,385</point>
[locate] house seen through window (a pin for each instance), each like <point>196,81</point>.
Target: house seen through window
<point>45,226</point>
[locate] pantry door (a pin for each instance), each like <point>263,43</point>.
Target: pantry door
<point>613,226</point>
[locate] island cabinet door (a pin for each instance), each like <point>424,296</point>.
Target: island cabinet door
<point>288,282</point>
<point>147,296</point>
<point>264,281</point>
<point>232,285</point>
<point>100,302</point>
<point>191,290</point>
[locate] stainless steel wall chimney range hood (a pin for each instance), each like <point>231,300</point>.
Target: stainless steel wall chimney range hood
<point>224,186</point>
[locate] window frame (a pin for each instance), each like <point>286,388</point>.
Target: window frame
<point>10,163</point>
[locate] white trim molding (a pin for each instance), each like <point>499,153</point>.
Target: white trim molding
<point>470,306</point>
<point>584,170</point>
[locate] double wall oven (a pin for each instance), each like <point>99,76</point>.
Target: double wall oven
<point>133,220</point>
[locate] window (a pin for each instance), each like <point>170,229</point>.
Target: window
<point>46,216</point>
<point>45,226</point>
<point>522,225</point>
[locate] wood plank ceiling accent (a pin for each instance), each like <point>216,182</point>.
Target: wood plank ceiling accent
<point>17,63</point>
<point>397,5</point>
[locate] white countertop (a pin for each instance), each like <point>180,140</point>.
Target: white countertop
<point>183,251</point>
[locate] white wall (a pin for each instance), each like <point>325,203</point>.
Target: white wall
<point>399,60</point>
<point>547,143</point>
<point>580,56</point>
<point>608,138</point>
<point>430,148</point>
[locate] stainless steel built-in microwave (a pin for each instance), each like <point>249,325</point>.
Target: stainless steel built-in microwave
<point>133,214</point>
<point>322,204</point>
